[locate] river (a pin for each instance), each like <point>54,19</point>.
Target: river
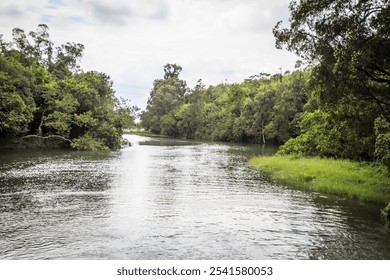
<point>171,199</point>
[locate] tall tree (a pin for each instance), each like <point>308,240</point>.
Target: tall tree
<point>166,96</point>
<point>347,44</point>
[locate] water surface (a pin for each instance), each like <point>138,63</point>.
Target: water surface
<point>170,199</point>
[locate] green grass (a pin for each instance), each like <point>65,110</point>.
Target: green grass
<point>342,177</point>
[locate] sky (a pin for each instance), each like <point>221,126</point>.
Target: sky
<point>131,40</point>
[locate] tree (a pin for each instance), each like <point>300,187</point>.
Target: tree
<point>17,104</point>
<point>191,114</point>
<point>257,110</point>
<point>166,96</point>
<point>347,45</point>
<point>172,71</point>
<point>45,95</point>
<point>289,100</point>
<point>43,47</point>
<point>66,59</point>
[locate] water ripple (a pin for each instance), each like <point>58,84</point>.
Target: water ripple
<point>172,200</point>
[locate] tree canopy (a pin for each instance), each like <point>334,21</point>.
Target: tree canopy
<point>44,94</point>
<point>261,109</point>
<point>347,45</point>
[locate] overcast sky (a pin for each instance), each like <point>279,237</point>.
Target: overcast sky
<point>131,40</point>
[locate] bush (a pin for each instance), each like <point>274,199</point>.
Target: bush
<point>88,143</point>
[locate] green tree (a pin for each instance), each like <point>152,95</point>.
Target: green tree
<point>166,96</point>
<point>17,104</point>
<point>45,95</point>
<point>347,45</point>
<point>191,114</point>
<point>257,110</point>
<point>289,99</point>
<point>66,60</point>
<point>42,47</point>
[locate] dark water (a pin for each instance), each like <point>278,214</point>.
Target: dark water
<point>165,199</point>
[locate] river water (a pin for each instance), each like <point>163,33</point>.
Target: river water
<point>170,199</point>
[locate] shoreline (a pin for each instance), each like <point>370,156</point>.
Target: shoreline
<point>362,181</point>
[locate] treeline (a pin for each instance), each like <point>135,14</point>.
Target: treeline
<point>338,107</point>
<point>45,95</point>
<point>347,46</point>
<point>262,109</point>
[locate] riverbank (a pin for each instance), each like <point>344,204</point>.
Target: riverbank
<point>355,180</point>
<point>143,133</point>
<point>32,143</point>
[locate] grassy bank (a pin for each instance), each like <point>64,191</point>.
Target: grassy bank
<point>355,180</point>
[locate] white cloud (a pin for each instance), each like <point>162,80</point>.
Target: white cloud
<point>132,40</point>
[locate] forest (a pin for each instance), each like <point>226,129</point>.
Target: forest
<point>46,99</point>
<point>335,104</point>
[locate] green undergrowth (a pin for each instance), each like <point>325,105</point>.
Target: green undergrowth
<point>355,180</point>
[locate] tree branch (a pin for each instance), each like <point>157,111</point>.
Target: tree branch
<point>372,76</point>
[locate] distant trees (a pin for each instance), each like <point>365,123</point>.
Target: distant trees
<point>165,98</point>
<point>44,94</point>
<point>258,110</point>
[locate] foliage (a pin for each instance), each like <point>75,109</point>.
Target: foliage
<point>344,132</point>
<point>382,144</point>
<point>166,96</point>
<point>347,45</point>
<point>88,143</point>
<point>16,101</point>
<point>45,94</point>
<point>262,109</point>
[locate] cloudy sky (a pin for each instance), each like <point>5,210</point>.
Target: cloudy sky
<point>131,40</point>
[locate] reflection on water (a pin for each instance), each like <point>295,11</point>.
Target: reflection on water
<point>169,199</point>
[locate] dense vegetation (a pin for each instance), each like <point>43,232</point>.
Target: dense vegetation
<point>338,107</point>
<point>347,46</point>
<point>262,109</point>
<point>45,95</point>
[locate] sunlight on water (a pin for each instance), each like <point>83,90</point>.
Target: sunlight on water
<point>172,199</point>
